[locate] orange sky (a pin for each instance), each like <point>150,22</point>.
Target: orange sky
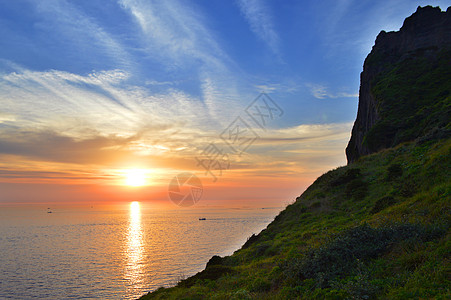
<point>275,169</point>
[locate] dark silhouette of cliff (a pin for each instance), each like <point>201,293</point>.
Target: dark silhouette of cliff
<point>417,61</point>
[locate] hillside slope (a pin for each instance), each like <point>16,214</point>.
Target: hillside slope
<point>377,228</point>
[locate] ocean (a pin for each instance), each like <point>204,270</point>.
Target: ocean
<point>119,251</point>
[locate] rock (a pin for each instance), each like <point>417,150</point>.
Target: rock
<point>425,33</point>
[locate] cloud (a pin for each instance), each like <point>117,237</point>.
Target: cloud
<point>172,29</point>
<point>257,15</point>
<point>176,35</point>
<point>287,151</point>
<point>102,101</point>
<point>321,92</point>
<point>6,118</point>
<point>157,83</point>
<point>51,146</point>
<point>81,31</point>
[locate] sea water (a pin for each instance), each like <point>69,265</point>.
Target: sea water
<point>113,252</point>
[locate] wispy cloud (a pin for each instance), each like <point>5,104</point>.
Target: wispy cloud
<point>171,28</point>
<point>300,150</point>
<point>81,31</point>
<point>260,21</point>
<point>101,99</point>
<point>176,34</point>
<point>287,86</point>
<point>159,83</point>
<point>322,92</point>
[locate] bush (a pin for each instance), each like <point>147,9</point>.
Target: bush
<point>261,248</point>
<point>407,188</point>
<point>356,189</point>
<point>383,203</point>
<point>348,176</point>
<point>343,255</point>
<point>215,260</point>
<point>252,239</point>
<point>394,171</point>
<point>260,285</point>
<point>211,273</point>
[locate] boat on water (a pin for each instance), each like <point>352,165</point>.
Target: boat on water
<point>202,219</point>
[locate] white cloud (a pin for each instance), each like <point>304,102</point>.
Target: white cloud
<point>6,117</point>
<point>299,149</point>
<point>267,88</point>
<point>100,101</point>
<point>172,29</point>
<point>260,22</point>
<point>322,92</point>
<point>176,34</point>
<point>158,83</point>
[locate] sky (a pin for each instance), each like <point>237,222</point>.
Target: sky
<point>255,98</point>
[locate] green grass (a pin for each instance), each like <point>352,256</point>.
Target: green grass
<point>378,228</point>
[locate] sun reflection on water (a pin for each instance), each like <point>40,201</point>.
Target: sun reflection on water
<point>134,274</point>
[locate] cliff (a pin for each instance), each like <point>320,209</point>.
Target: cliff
<point>421,46</point>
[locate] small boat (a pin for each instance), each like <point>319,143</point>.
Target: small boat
<point>202,219</point>
<point>49,212</point>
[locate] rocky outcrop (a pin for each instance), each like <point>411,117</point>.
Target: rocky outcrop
<point>424,34</point>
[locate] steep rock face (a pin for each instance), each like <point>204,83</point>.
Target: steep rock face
<point>424,39</point>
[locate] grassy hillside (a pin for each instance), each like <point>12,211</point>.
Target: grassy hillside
<point>378,228</point>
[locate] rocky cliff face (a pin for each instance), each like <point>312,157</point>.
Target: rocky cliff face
<point>424,40</point>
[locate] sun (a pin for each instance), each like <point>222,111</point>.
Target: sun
<point>135,177</point>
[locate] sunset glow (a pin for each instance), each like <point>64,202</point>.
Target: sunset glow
<point>132,94</point>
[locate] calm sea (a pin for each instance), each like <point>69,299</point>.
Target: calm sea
<point>114,252</point>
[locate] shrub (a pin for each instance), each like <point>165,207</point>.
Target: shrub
<point>252,239</point>
<point>407,188</point>
<point>394,171</point>
<point>383,203</point>
<point>215,260</point>
<point>343,255</point>
<point>347,177</point>
<point>261,248</point>
<point>260,285</point>
<point>211,273</point>
<point>356,189</point>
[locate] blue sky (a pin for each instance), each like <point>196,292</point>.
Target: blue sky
<point>158,80</point>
